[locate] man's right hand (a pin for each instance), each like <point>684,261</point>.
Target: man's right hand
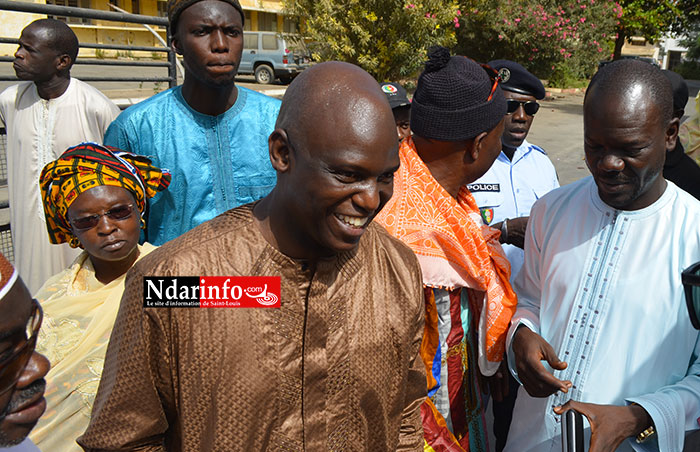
<point>530,350</point>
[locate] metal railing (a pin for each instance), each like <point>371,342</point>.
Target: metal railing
<point>86,13</point>
<point>67,11</point>
<point>5,234</point>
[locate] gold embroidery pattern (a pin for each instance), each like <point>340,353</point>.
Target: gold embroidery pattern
<point>56,341</point>
<point>88,388</point>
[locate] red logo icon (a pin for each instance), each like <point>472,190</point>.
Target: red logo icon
<point>239,291</point>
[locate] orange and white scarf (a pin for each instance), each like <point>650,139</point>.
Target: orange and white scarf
<point>453,246</point>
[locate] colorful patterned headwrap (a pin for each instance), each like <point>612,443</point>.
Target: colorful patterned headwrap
<point>89,165</point>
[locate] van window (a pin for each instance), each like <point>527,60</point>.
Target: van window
<point>250,41</point>
<point>269,42</point>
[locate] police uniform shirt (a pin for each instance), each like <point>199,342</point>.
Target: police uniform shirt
<point>510,188</point>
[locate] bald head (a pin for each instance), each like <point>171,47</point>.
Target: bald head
<point>633,84</point>
<point>335,152</point>
<point>56,35</point>
<point>337,97</point>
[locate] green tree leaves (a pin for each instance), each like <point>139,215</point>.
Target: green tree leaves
<point>387,38</point>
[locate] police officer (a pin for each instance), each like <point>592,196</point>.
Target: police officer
<point>521,174</point>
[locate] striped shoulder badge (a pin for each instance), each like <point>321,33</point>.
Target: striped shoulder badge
<point>487,215</point>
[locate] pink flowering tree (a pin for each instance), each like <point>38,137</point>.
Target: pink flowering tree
<point>387,38</point>
<point>561,40</point>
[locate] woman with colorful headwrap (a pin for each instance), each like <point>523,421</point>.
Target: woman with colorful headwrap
<point>94,198</point>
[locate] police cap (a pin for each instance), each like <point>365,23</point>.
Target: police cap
<point>517,79</point>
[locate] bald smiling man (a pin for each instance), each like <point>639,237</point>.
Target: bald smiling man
<point>335,367</point>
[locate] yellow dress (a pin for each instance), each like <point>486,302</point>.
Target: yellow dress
<point>79,312</point>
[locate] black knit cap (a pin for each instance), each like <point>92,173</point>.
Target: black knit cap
<point>517,79</point>
<point>176,7</point>
<point>450,100</point>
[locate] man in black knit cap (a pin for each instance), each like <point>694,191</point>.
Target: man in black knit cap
<point>457,119</point>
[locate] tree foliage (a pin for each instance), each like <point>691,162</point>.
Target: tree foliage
<point>387,38</point>
<point>690,69</point>
<point>647,18</point>
<point>692,42</point>
<point>653,18</point>
<point>559,40</point>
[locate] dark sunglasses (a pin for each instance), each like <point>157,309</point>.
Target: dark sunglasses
<point>115,213</point>
<point>691,283</point>
<point>11,367</point>
<point>493,75</point>
<point>531,107</point>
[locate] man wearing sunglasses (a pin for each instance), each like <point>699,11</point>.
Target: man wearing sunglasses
<point>22,370</point>
<point>521,174</point>
<point>600,295</point>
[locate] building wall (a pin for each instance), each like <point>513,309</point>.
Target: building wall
<point>668,51</point>
<point>262,5</point>
<point>259,13</point>
<point>640,47</point>
<point>673,52</point>
<point>11,25</point>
